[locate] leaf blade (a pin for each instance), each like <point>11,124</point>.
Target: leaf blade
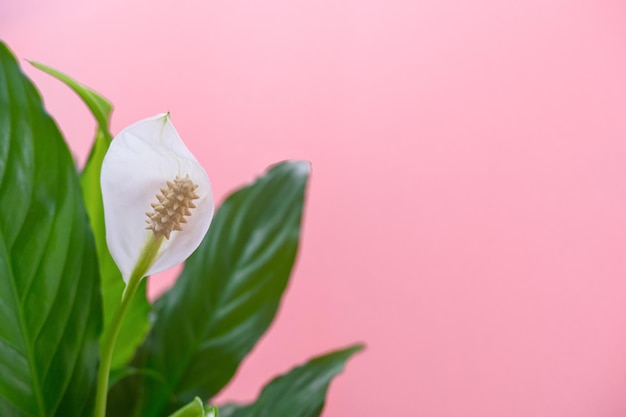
<point>47,261</point>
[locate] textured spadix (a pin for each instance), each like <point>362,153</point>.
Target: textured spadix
<point>149,178</point>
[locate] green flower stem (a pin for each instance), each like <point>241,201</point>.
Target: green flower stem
<point>148,254</point>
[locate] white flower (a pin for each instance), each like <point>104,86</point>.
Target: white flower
<point>154,192</point>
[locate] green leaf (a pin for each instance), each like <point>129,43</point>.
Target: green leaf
<point>136,324</point>
<point>193,409</point>
<point>228,293</point>
<point>299,393</point>
<point>100,107</point>
<point>49,285</point>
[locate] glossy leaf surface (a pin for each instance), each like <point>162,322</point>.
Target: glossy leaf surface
<point>49,286</point>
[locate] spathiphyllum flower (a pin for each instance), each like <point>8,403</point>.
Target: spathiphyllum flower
<point>158,202</point>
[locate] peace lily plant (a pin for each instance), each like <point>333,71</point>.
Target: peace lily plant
<point>79,336</point>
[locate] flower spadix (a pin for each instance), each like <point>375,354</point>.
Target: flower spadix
<point>156,195</point>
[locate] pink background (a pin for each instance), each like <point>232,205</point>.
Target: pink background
<point>467,212</point>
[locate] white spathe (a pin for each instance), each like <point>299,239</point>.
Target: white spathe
<point>139,162</point>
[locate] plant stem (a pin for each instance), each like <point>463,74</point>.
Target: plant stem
<point>148,254</point>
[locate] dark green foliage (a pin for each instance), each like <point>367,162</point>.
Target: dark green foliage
<point>49,286</point>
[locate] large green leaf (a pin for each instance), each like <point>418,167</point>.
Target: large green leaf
<point>299,393</point>
<point>49,286</point>
<point>228,293</point>
<point>136,324</point>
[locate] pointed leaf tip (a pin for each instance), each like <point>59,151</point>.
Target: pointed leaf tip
<point>98,105</point>
<point>300,392</point>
